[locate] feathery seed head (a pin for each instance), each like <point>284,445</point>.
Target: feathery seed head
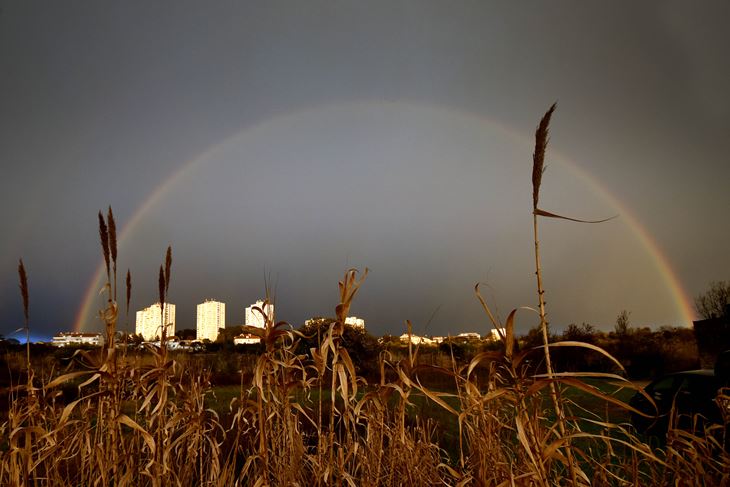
<point>168,265</point>
<point>129,288</point>
<point>538,158</point>
<point>23,288</point>
<point>104,236</point>
<point>161,287</point>
<point>112,236</point>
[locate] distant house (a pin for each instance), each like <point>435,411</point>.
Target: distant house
<point>246,339</point>
<point>184,345</point>
<point>416,340</point>
<point>469,336</point>
<point>352,321</point>
<point>66,339</point>
<point>713,337</point>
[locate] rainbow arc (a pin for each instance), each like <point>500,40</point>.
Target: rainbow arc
<point>661,263</point>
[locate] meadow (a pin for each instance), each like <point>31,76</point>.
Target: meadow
<point>299,415</point>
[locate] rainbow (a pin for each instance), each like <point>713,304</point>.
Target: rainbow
<point>661,263</point>
<point>683,300</point>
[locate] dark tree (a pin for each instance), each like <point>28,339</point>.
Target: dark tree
<point>715,302</point>
<point>186,334</point>
<point>622,327</point>
<point>580,333</point>
<point>226,335</point>
<point>136,338</point>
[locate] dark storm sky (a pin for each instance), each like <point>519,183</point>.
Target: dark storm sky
<point>390,135</point>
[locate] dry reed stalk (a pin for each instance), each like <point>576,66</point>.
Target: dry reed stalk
<point>163,283</point>
<point>23,277</point>
<point>343,377</point>
<point>107,433</point>
<point>277,419</point>
<point>538,168</point>
<point>107,234</point>
<point>27,416</point>
<point>159,418</point>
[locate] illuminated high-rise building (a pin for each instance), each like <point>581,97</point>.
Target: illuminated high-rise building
<point>255,318</point>
<point>211,317</point>
<point>149,323</point>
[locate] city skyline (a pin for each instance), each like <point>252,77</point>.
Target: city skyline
<point>276,146</point>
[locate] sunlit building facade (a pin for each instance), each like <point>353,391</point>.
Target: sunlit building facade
<point>352,321</point>
<point>355,322</point>
<point>246,339</point>
<point>416,339</point>
<point>495,334</point>
<point>149,324</point>
<point>211,317</point>
<point>66,339</point>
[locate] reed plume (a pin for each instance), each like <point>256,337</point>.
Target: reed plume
<point>112,227</point>
<point>104,237</point>
<point>538,157</point>
<point>161,287</point>
<point>23,288</point>
<point>129,289</point>
<point>112,236</point>
<point>168,265</point>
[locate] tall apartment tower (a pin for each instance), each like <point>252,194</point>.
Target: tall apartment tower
<point>254,318</point>
<point>148,322</point>
<point>211,316</point>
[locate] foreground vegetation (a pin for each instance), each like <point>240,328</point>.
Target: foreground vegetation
<point>309,417</point>
<point>305,415</point>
